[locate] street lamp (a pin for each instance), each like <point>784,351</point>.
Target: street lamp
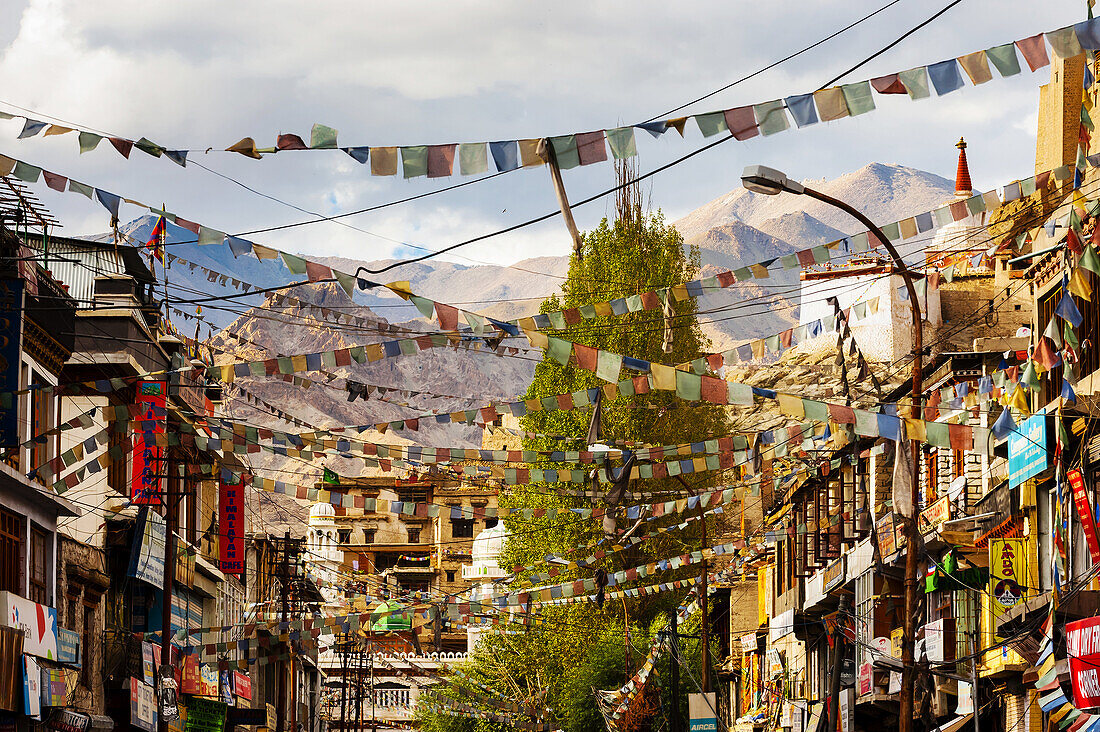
<point>771,182</point>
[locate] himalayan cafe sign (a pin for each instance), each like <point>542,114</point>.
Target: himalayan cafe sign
<point>146,479</point>
<point>231,523</point>
<point>1083,649</point>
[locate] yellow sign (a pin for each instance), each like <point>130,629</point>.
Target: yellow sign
<point>1007,574</point>
<point>897,636</point>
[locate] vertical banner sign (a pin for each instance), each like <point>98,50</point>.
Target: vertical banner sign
<point>231,523</point>
<point>11,332</point>
<point>1084,512</point>
<point>146,483</point>
<point>1007,574</point>
<point>1083,649</point>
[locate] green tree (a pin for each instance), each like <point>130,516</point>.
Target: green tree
<point>575,648</point>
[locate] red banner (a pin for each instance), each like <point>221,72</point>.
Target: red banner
<point>1084,512</point>
<point>231,525</point>
<point>1083,649</point>
<point>145,481</point>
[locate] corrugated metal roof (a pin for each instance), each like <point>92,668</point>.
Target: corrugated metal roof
<point>77,263</point>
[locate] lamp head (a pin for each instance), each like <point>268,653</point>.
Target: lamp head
<point>768,181</point>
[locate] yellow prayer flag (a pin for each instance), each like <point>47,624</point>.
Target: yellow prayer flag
<point>916,429</point>
<point>375,352</point>
<point>403,288</point>
<point>1079,285</point>
<point>791,406</point>
<point>664,377</point>
<point>680,292</point>
<point>536,338</point>
<point>603,309</point>
<point>57,130</point>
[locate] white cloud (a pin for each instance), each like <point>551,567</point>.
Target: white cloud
<point>205,73</point>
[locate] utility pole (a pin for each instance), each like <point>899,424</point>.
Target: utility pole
<point>704,625</point>
<point>760,179</point>
<point>674,716</point>
<point>171,521</point>
<point>838,664</point>
<point>974,677</point>
<point>284,597</point>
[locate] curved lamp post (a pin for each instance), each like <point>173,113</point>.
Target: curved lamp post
<point>771,182</point>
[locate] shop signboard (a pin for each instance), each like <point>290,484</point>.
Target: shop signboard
<point>703,712</point>
<point>147,555</point>
<point>833,576</point>
<point>227,688</point>
<point>1083,649</point>
<point>1085,513</point>
<point>205,715</point>
<point>935,515</point>
<point>1007,574</point>
<point>32,687</point>
<point>866,678</point>
<point>147,477</point>
<point>748,643</point>
<point>1027,450</point>
<point>68,647</point>
<point>55,686</point>
<point>191,682</point>
<point>143,705</point>
<point>66,720</point>
<point>38,623</point>
<point>242,685</point>
<point>231,523</point>
<point>208,680</point>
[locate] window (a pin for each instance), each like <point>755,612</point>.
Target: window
<point>412,494</point>
<point>414,535</point>
<point>71,618</point>
<point>38,586</point>
<point>118,477</point>
<point>11,547</point>
<point>490,523</point>
<point>88,645</point>
<point>368,536</point>
<point>344,536</point>
<point>462,528</point>
<point>450,575</point>
<point>40,422</point>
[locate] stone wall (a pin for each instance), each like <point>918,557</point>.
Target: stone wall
<point>82,580</point>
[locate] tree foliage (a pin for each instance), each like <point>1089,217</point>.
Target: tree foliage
<point>576,648</point>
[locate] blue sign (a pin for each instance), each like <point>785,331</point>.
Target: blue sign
<point>68,647</point>
<point>1027,450</point>
<point>11,332</point>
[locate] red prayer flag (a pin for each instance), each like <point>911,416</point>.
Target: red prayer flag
<point>742,123</point>
<point>441,160</point>
<point>448,316</point>
<point>889,84</point>
<point>290,142</point>
<point>123,146</point>
<point>591,147</point>
<point>1034,50</point>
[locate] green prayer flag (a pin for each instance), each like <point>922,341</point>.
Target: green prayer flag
<point>689,386</point>
<point>938,434</point>
<point>425,306</point>
<point>1004,59</point>
<point>565,151</point>
<point>711,124</point>
<point>208,236</point>
<point>559,350</point>
<point>975,204</point>
<point>1089,260</point>
<point>26,171</point>
<point>296,265</point>
<point>557,320</point>
<point>88,141</point>
<point>322,137</point>
<point>771,117</point>
<point>76,186</point>
<point>149,147</point>
<point>858,97</point>
<point>346,281</point>
<point>892,231</point>
<point>815,411</point>
<point>414,161</point>
<point>608,366</point>
<point>915,82</point>
<point>621,140</point>
<point>472,159</point>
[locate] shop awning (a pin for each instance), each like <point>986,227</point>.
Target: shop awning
<point>955,724</point>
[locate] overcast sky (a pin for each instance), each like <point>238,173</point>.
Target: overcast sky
<point>204,73</point>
